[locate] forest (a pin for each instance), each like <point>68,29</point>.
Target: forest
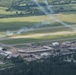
<point>54,65</point>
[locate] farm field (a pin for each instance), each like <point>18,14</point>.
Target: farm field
<point>14,24</point>
<point>19,22</point>
<point>40,24</point>
<point>38,38</point>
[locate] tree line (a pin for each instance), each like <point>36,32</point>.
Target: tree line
<point>46,66</point>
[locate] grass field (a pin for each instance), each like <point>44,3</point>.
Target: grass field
<point>4,13</point>
<point>38,39</point>
<point>19,22</point>
<point>16,23</point>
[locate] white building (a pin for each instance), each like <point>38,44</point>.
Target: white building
<point>21,51</point>
<point>45,54</point>
<point>1,48</point>
<point>55,44</point>
<point>8,52</point>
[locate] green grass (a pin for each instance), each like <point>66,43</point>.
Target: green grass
<point>19,22</point>
<point>11,13</point>
<point>38,39</point>
<point>66,7</point>
<point>4,13</point>
<point>14,25</point>
<point>9,2</point>
<point>47,30</point>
